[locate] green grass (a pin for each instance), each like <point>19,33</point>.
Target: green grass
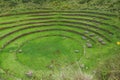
<point>40,52</point>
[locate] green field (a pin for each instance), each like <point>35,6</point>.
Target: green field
<point>45,41</point>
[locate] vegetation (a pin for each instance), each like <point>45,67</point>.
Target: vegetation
<point>110,69</point>
<point>109,5</point>
<point>59,40</point>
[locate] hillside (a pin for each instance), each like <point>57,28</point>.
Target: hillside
<point>59,40</point>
